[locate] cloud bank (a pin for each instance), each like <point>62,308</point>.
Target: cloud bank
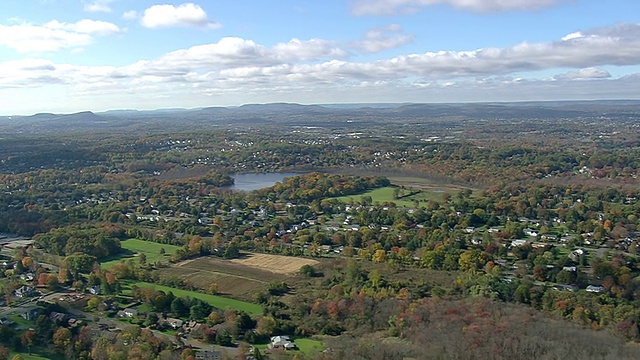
<point>318,70</point>
<point>394,7</point>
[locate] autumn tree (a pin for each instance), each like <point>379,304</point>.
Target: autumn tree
<point>61,339</point>
<point>28,339</point>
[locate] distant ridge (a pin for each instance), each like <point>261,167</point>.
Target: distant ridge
<point>293,114</point>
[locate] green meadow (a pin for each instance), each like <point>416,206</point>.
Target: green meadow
<point>219,302</point>
<point>406,197</point>
<point>309,346</point>
<point>133,247</point>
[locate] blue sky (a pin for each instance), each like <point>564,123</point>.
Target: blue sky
<point>76,55</point>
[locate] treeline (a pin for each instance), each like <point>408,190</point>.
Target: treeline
<point>95,240</point>
<point>316,185</point>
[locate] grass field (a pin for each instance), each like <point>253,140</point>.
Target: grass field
<point>385,194</point>
<point>238,278</point>
<point>309,346</point>
<point>216,301</point>
<point>150,249</point>
<point>33,356</point>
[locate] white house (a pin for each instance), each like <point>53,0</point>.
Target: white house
<point>595,288</point>
<point>281,341</point>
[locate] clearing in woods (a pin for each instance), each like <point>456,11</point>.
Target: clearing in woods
<point>239,278</point>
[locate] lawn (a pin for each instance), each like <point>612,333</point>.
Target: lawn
<point>133,247</point>
<point>33,356</point>
<point>309,346</point>
<point>216,301</point>
<point>385,194</point>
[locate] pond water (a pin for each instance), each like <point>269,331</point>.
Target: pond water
<point>255,181</point>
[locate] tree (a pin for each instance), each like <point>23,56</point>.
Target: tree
<point>62,339</point>
<point>4,353</point>
<point>379,256</point>
<point>266,325</point>
<point>223,338</point>
<point>375,278</point>
<point>79,263</point>
<point>151,320</point>
<point>28,339</point>
<point>232,251</point>
<point>308,270</point>
<point>93,303</point>
<point>27,262</point>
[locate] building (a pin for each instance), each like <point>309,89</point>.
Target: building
<point>25,291</point>
<point>281,342</point>
<point>595,288</point>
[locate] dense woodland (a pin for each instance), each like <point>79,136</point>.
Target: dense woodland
<point>497,264</point>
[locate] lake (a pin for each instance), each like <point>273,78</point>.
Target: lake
<point>250,182</point>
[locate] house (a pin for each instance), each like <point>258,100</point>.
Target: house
<point>595,288</point>
<point>518,242</point>
<point>27,277</point>
<point>209,355</point>
<point>174,323</point>
<point>530,232</point>
<point>128,312</point>
<point>575,254</point>
<point>57,317</point>
<point>25,291</point>
<point>31,314</point>
<point>281,342</point>
<point>561,287</point>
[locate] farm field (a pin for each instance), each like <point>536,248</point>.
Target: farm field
<point>150,249</point>
<point>239,278</point>
<point>219,302</point>
<point>278,264</point>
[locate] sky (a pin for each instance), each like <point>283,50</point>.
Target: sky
<point>65,56</point>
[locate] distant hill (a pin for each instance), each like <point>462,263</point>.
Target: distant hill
<point>291,114</point>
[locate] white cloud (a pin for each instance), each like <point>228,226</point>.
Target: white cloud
<point>86,26</point>
<point>586,73</point>
<point>130,15</point>
<point>383,38</point>
<point>574,35</point>
<point>188,14</point>
<point>312,49</point>
<point>39,39</point>
<point>392,7</point>
<point>98,6</point>
<point>53,36</point>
